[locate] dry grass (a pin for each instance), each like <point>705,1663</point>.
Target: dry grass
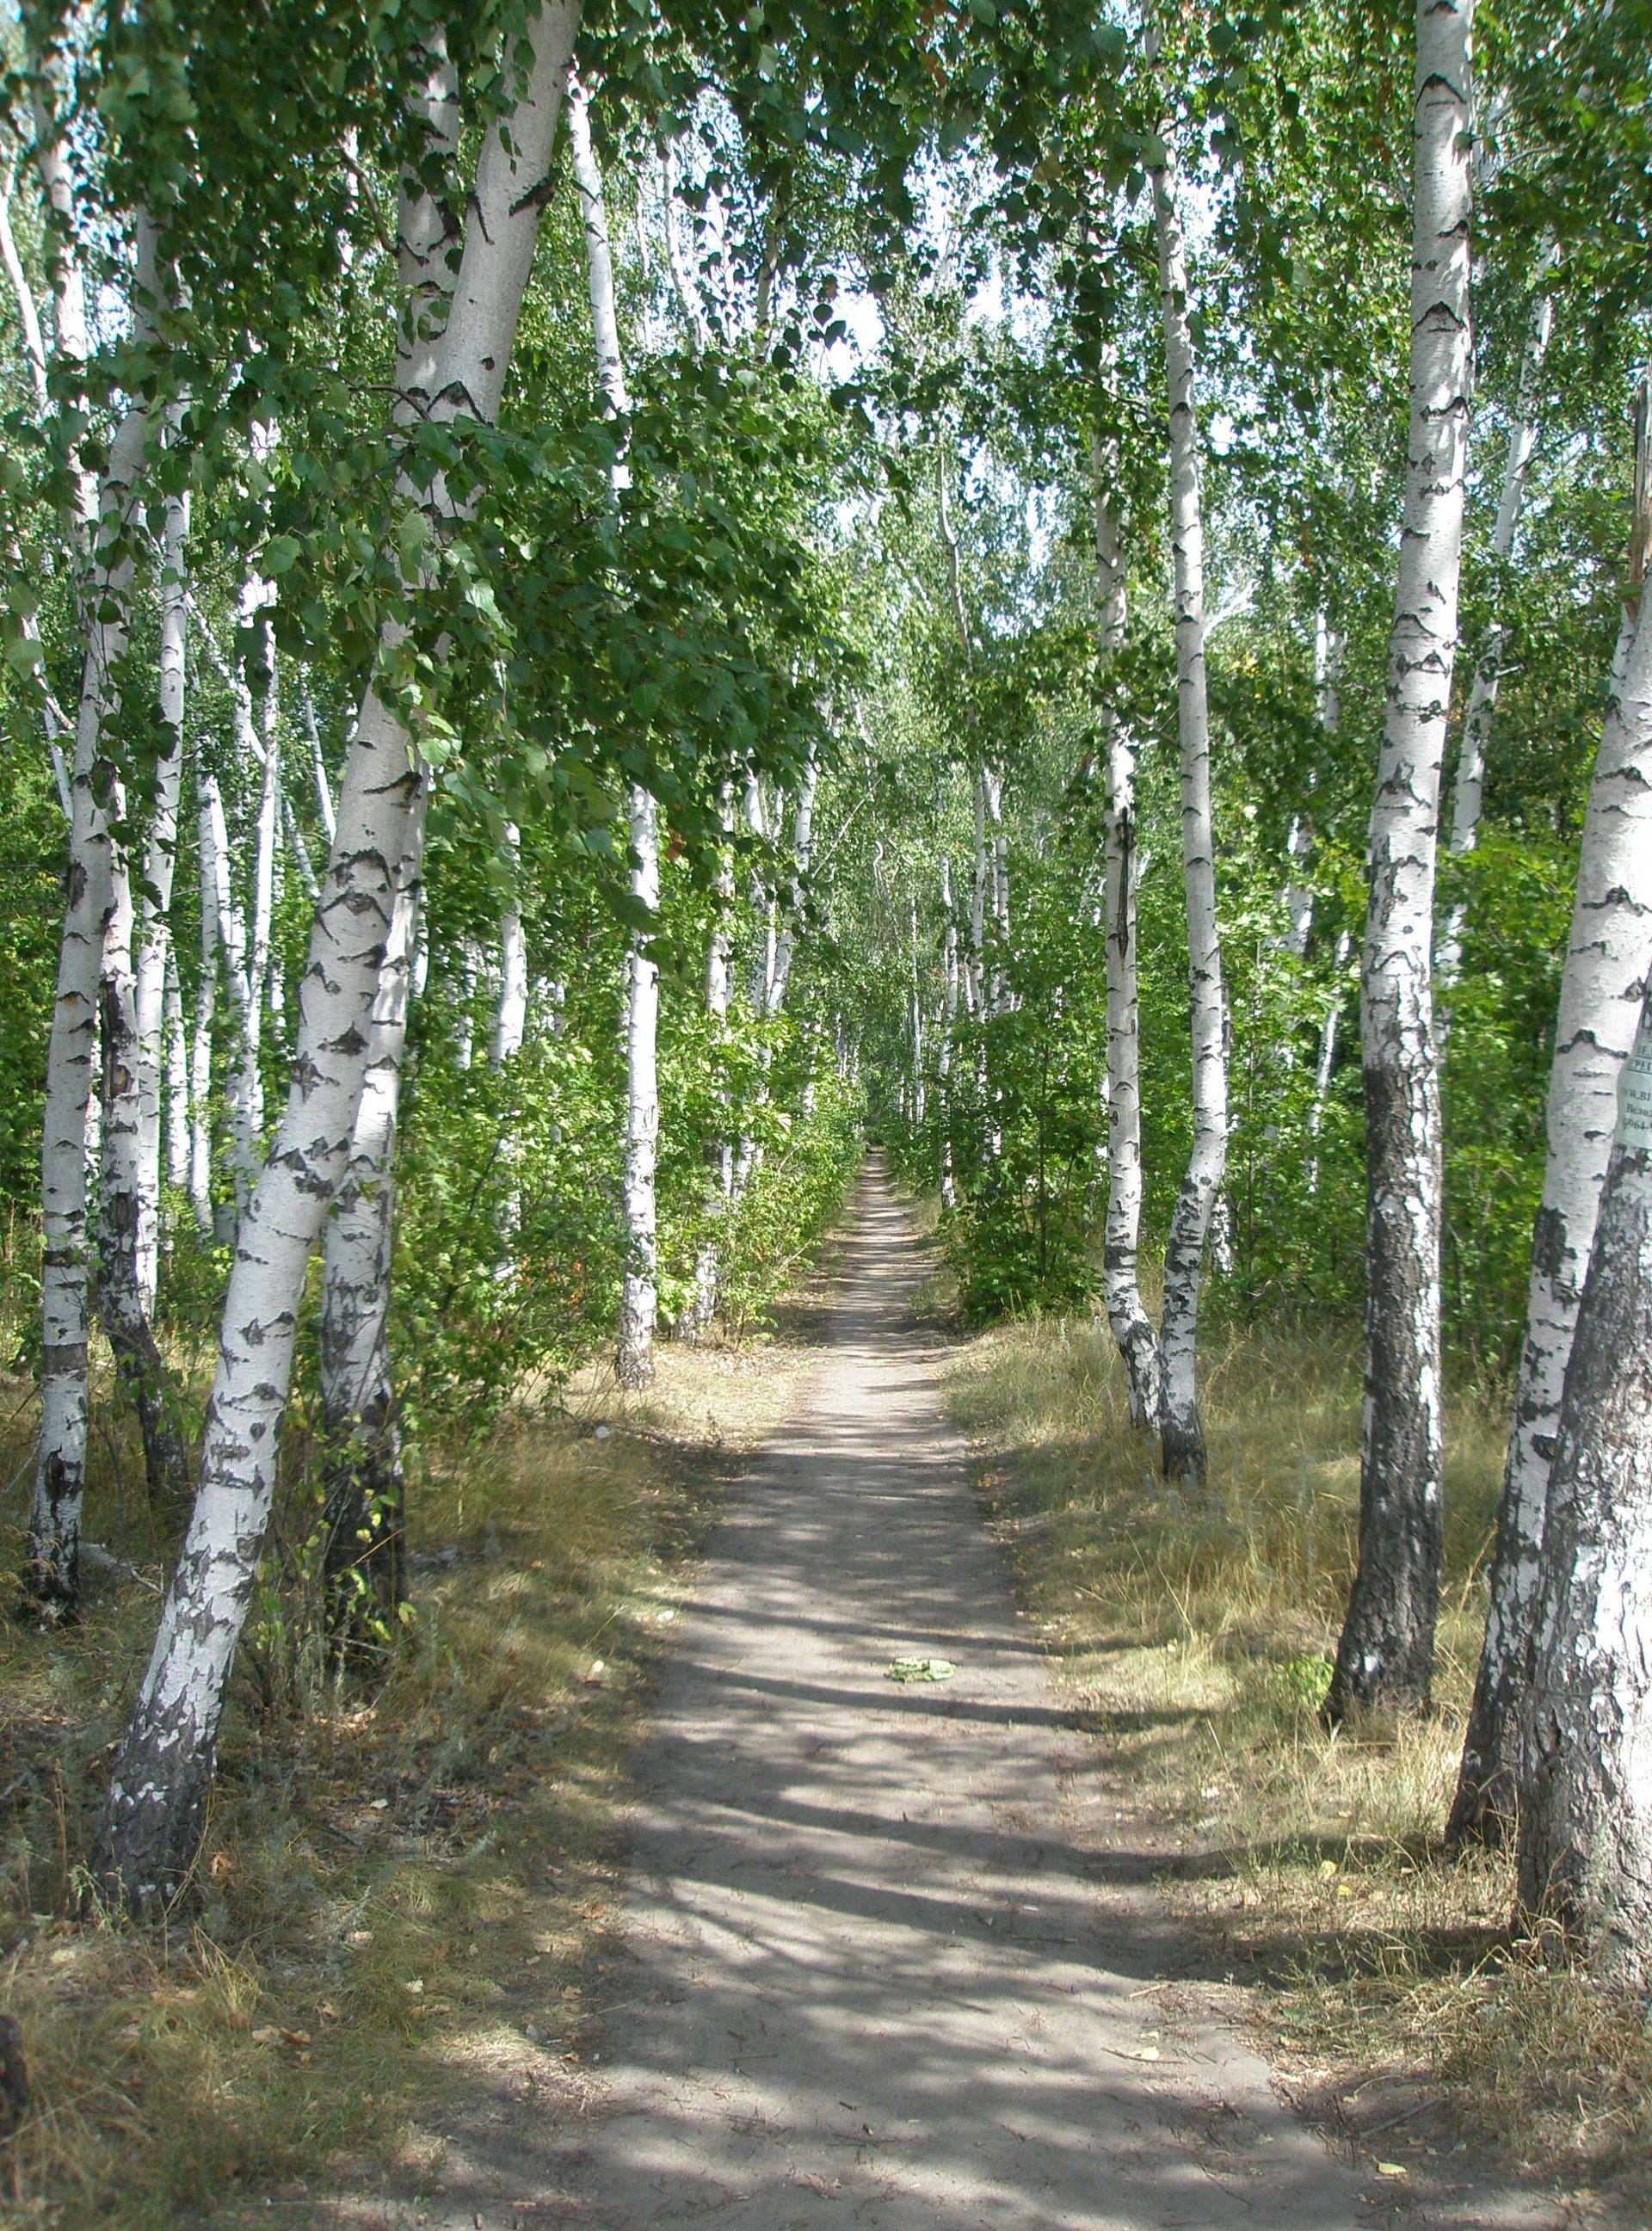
<point>396,1888</point>
<point>1197,1629</point>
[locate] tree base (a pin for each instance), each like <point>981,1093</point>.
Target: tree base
<point>634,1367</point>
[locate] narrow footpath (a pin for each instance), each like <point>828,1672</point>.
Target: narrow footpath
<point>863,1981</point>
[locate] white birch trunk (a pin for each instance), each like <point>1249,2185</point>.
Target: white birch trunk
<point>206,999</point>
<point>1385,1657</point>
<point>246,1088</point>
<point>1181,1430</point>
<point>1469,791</point>
<point>719,986</point>
<point>1325,1064</point>
<point>178,1078</point>
<point>363,1517</point>
<point>638,1302</point>
<point>156,902</point>
<point>450,368</point>
<point>510,1016</point>
<point>1126,1313</point>
<point>788,929</point>
<point>51,1573</point>
<point>1584,1797</point>
<point>948,1028</point>
<point>139,1369</point>
<point>639,1295</point>
<point>1609,959</point>
<point>920,1100</point>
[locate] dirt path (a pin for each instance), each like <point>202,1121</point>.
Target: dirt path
<point>863,1982</point>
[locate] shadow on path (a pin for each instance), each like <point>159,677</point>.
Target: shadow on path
<point>863,1980</point>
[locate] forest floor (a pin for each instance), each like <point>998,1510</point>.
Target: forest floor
<point>640,1895</point>
<point>1302,1867</point>
<point>895,1952</point>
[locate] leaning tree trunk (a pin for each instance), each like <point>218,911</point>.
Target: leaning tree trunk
<point>1385,1658</point>
<point>51,1570</point>
<point>1132,1326</point>
<point>449,368</point>
<point>364,1522</point>
<point>1181,1443</point>
<point>1585,1795</point>
<point>1608,961</point>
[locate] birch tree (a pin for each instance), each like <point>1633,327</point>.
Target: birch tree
<point>154,946</point>
<point>459,315</point>
<point>1181,1430</point>
<point>363,1488</point>
<point>639,1295</point>
<point>1385,1656</point>
<point>1132,1326</point>
<point>51,1573</point>
<point>1609,956</point>
<point>1584,1797</point>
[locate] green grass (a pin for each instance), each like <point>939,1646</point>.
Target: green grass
<point>1196,1628</point>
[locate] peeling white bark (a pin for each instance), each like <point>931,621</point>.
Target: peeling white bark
<point>1608,959</point>
<point>363,1514</point>
<point>719,989</point>
<point>1126,1312</point>
<point>453,368</point>
<point>1180,1432</point>
<point>1385,1658</point>
<point>1584,1797</point>
<point>639,1294</point>
<point>206,997</point>
<point>510,1015</point>
<point>51,1568</point>
<point>154,943</point>
<point>178,1078</point>
<point>638,1302</point>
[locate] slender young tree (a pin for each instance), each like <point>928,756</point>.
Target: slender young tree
<point>1584,1797</point>
<point>363,1514</point>
<point>458,322</point>
<point>140,1368</point>
<point>639,1296</point>
<point>1385,1657</point>
<point>949,1030</point>
<point>1609,961</point>
<point>1181,1443</point>
<point>51,1573</point>
<point>154,946</point>
<point>720,1149</point>
<point>1132,1326</point>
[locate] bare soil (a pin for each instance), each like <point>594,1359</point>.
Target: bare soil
<point>891,1955</point>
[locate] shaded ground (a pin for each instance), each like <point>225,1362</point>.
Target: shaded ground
<point>886,1959</point>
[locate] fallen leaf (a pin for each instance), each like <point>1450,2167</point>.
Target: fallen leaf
<point>1391,2168</point>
